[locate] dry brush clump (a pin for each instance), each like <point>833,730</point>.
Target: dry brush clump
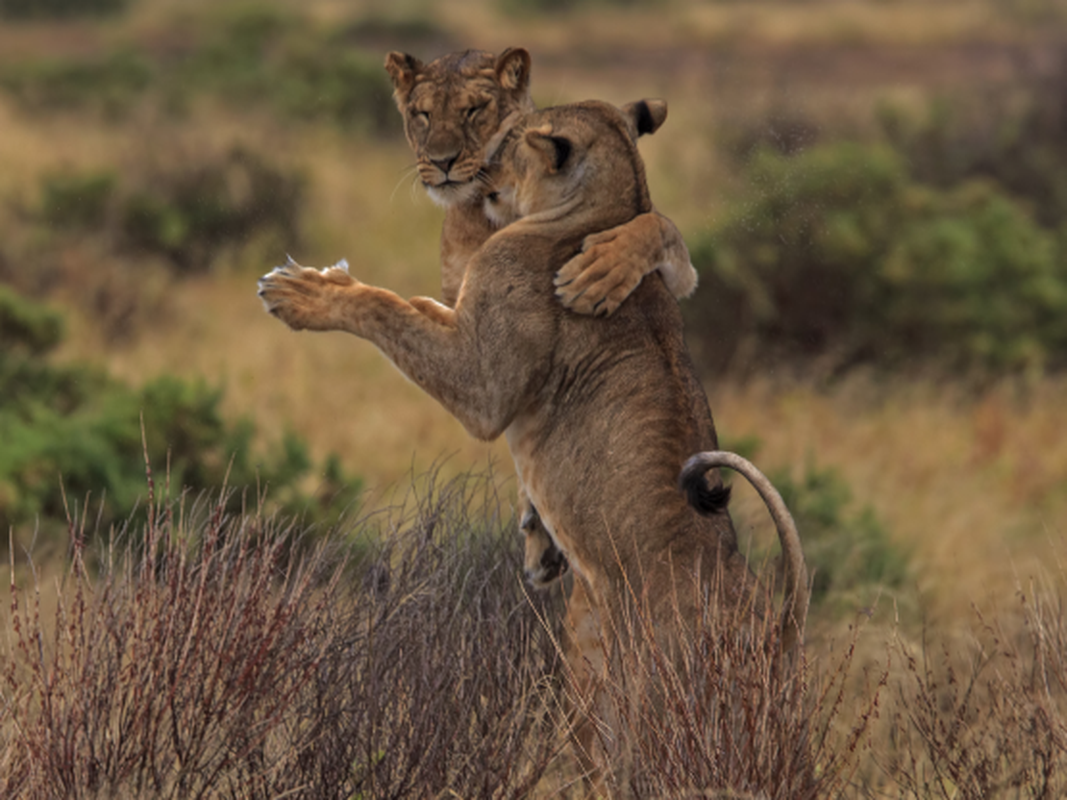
<point>207,653</point>
<point>166,674</point>
<point>442,682</point>
<point>988,719</point>
<point>720,711</point>
<point>208,656</point>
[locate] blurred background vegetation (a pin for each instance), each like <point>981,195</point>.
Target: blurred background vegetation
<point>874,193</point>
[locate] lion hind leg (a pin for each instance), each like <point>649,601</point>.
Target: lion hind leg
<point>543,561</point>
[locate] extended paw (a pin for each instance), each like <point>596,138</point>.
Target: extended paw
<point>600,278</point>
<point>302,297</point>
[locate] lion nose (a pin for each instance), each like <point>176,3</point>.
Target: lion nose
<point>445,163</point>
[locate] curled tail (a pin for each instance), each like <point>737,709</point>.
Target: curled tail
<point>797,593</point>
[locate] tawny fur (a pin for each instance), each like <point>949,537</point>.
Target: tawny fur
<point>599,414</point>
<point>454,109</point>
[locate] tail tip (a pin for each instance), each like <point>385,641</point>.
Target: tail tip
<point>707,500</point>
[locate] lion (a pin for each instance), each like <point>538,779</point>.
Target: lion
<point>454,109</point>
<point>600,415</point>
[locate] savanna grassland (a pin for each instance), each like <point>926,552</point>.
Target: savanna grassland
<point>874,195</point>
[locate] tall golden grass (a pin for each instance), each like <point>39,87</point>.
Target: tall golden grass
<point>215,654</point>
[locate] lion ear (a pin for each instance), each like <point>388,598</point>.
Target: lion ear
<point>402,68</point>
<point>555,150</point>
<point>646,115</point>
<point>513,70</point>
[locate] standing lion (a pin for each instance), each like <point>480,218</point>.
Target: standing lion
<point>600,414</point>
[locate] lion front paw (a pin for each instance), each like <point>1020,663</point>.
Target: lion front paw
<point>302,297</point>
<point>599,279</point>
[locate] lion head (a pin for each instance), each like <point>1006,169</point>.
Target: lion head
<point>453,108</point>
<point>549,160</point>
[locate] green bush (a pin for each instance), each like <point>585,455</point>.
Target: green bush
<point>246,56</point>
<point>839,256</point>
<point>267,56</point>
<point>43,9</point>
<point>75,429</point>
<point>185,211</point>
<point>1015,135</point>
<point>343,87</point>
<point>847,549</point>
<point>27,327</point>
<point>110,84</point>
<point>973,279</point>
<point>77,200</point>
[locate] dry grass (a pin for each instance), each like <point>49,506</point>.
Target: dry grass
<point>969,484</point>
<point>220,657</point>
<point>721,711</point>
<point>201,655</point>
<point>990,721</point>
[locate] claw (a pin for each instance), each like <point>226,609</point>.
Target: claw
<point>341,265</point>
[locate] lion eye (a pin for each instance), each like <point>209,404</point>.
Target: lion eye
<point>422,116</point>
<point>472,112</point>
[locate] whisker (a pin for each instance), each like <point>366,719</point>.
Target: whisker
<point>411,171</point>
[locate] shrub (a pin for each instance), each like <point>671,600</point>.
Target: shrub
<point>77,200</point>
<point>27,326</point>
<point>848,550</point>
<point>1013,134</point>
<point>724,713</point>
<point>250,55</point>
<point>109,83</point>
<point>973,279</point>
<point>838,256</point>
<point>343,87</point>
<point>186,210</point>
<point>73,429</point>
<point>987,719</point>
<point>30,9</point>
<point>225,660</point>
<point>849,553</point>
<point>221,661</point>
<point>267,56</point>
